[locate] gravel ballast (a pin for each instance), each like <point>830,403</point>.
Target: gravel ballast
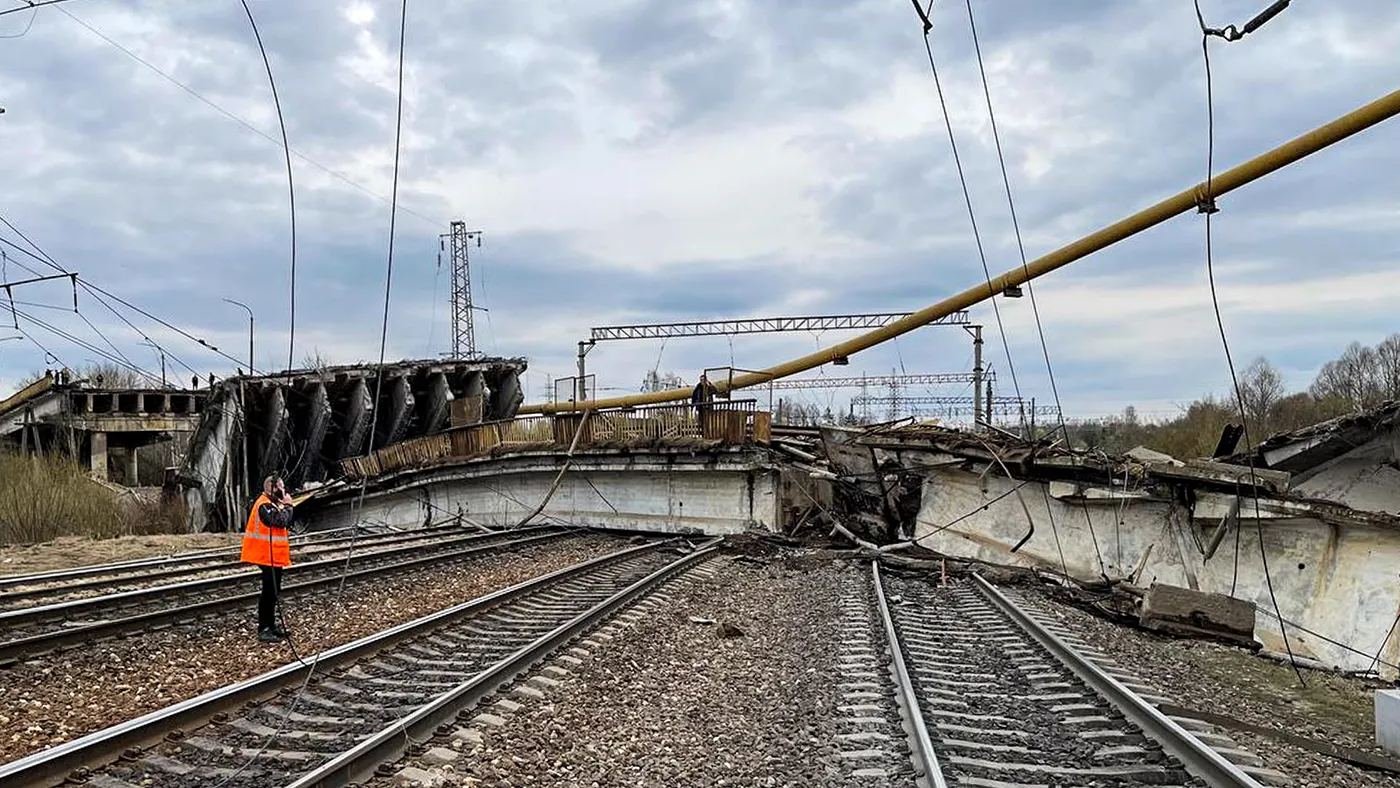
<point>727,683</point>
<point>48,701</point>
<point>1230,681</point>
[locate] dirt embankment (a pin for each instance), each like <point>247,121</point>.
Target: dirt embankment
<point>70,551</point>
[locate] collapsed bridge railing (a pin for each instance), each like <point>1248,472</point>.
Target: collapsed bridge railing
<point>734,422</point>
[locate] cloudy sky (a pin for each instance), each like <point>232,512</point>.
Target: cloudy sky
<point>646,161</point>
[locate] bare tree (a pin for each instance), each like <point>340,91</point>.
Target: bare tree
<point>654,381</point>
<point>1261,388</point>
<point>315,360</point>
<point>1388,367</point>
<point>1353,378</point>
<point>109,375</point>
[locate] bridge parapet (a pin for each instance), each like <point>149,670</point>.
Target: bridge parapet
<point>735,422</point>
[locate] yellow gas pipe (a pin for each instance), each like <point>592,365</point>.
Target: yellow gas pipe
<point>1379,110</point>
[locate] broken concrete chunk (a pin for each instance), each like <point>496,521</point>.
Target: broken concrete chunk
<point>1180,611</point>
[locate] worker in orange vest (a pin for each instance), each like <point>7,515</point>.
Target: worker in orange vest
<point>266,543</point>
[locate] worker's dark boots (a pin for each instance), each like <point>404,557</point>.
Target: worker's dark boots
<point>271,636</point>
<point>280,632</point>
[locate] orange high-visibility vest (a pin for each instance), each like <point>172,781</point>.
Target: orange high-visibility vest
<point>263,544</point>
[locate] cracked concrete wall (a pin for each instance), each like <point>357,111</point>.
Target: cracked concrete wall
<point>1337,580</point>
<point>604,493</point>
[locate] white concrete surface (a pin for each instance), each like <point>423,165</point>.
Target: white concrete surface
<point>664,493</point>
<point>1340,581</point>
<point>1388,720</point>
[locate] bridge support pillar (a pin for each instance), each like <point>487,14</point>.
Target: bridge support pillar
<point>132,479</point>
<point>97,454</point>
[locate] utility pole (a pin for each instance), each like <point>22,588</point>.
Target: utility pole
<point>463,328</point>
<point>250,330</point>
<point>976,332</point>
<point>581,387</point>
<point>989,401</point>
<point>894,397</point>
<point>161,351</point>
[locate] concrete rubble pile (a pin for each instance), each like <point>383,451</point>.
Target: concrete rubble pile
<point>1189,539</point>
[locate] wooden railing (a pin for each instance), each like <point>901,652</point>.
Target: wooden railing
<point>732,422</point>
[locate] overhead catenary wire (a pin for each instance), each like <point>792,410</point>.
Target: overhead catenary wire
<point>27,27</point>
<point>1208,208</point>
<point>1030,291</point>
<point>967,194</point>
<point>35,4</point>
<point>244,122</point>
<point>89,285</point>
<point>85,345</point>
<point>291,188</point>
<point>358,508</point>
<point>48,259</point>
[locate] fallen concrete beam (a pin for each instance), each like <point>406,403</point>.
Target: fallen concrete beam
<point>1181,611</point>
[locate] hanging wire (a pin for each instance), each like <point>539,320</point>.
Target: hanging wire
<point>1030,291</point>
<point>378,386</point>
<point>967,194</point>
<point>28,25</point>
<point>291,188</point>
<point>1208,207</point>
<point>35,4</point>
<point>243,121</point>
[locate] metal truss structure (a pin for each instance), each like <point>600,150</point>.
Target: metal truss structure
<point>760,325</point>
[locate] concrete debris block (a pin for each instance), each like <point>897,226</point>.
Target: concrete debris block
<point>1181,611</point>
<point>1145,455</point>
<point>1388,720</point>
<point>728,630</point>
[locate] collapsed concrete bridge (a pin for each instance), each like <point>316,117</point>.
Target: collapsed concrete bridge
<point>302,423</point>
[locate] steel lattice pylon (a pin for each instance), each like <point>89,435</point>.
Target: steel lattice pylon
<point>463,328</point>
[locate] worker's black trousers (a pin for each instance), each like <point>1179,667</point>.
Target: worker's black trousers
<point>267,600</point>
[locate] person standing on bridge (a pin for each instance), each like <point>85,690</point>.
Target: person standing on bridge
<point>266,542</point>
<point>702,395</point>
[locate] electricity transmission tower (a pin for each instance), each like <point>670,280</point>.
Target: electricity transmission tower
<point>463,329</point>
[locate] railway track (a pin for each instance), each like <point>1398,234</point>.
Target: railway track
<point>993,697</point>
<point>32,631</point>
<point>18,591</point>
<point>370,699</point>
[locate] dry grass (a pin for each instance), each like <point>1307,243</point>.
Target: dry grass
<point>42,498</point>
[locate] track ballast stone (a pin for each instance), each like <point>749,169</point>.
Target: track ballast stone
<point>49,701</point>
<point>727,684</point>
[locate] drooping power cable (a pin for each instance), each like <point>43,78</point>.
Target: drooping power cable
<point>1208,207</point>
<point>1035,307</point>
<point>291,188</point>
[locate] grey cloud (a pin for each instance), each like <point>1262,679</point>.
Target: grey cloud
<point>163,200</point>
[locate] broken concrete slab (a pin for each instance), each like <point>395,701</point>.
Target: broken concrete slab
<point>1181,611</point>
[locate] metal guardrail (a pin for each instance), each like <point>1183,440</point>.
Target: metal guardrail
<point>732,422</point>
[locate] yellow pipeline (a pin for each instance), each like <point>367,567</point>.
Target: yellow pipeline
<point>1379,110</point>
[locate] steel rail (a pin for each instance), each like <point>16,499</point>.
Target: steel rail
<point>392,742</point>
<point>25,615</point>
<point>54,765</point>
<point>1198,758</point>
<point>206,554</point>
<point>1299,147</point>
<point>223,563</point>
<point>34,644</point>
<point>920,743</point>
